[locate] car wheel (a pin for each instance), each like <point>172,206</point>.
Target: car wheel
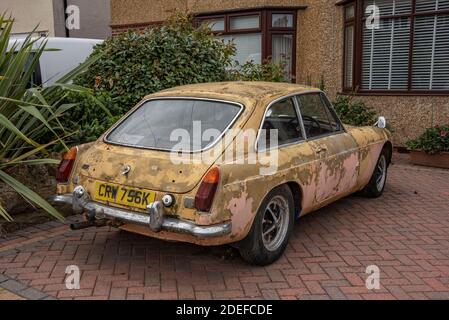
<point>376,185</point>
<point>271,228</point>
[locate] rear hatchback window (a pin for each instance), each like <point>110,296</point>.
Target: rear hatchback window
<point>157,124</point>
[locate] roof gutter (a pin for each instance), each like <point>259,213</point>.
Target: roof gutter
<point>255,8</point>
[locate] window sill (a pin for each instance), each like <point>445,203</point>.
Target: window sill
<point>396,93</point>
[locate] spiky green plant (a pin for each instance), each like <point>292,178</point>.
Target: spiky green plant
<point>28,116</point>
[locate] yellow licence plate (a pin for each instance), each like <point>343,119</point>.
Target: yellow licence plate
<point>127,196</point>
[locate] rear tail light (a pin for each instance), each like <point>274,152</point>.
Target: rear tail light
<point>66,165</point>
<point>206,192</point>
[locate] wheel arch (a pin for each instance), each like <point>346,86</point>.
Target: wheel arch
<point>297,193</point>
<point>389,147</point>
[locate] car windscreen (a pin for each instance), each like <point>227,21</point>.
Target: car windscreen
<point>181,124</point>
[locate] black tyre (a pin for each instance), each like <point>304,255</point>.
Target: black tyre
<point>271,228</point>
<point>376,185</point>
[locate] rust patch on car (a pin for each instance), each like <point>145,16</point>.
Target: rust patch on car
<point>241,208</point>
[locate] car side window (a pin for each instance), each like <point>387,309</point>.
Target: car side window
<point>333,118</point>
<point>315,115</point>
<point>282,117</point>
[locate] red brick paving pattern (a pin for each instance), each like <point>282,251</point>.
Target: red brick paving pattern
<point>405,233</point>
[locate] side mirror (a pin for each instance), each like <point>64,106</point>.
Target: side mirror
<point>381,122</point>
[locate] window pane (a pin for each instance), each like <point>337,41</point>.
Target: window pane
<point>282,20</point>
<point>349,55</point>
<point>215,24</point>
<point>314,115</point>
<point>245,22</point>
<point>389,7</point>
<point>281,117</point>
<point>349,12</point>
<point>431,5</point>
<point>152,124</point>
<point>386,50</point>
<point>385,55</point>
<point>425,5</point>
<point>282,51</point>
<point>443,4</point>
<point>249,47</point>
<point>431,53</point>
<point>333,118</point>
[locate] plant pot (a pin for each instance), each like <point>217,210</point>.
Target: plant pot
<point>439,160</point>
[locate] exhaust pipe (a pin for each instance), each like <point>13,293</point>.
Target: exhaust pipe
<point>87,224</point>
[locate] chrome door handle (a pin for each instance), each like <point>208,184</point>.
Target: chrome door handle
<point>321,149</point>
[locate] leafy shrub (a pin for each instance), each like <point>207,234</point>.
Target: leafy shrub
<point>354,113</point>
<point>87,120</point>
<point>135,64</point>
<point>268,71</point>
<point>433,140</point>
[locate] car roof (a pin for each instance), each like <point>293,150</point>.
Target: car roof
<point>238,91</point>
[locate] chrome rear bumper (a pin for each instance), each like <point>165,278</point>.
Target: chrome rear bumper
<point>81,203</point>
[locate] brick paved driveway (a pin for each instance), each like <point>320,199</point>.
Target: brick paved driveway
<point>405,233</point>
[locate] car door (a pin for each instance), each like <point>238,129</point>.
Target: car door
<point>296,159</point>
<point>335,149</point>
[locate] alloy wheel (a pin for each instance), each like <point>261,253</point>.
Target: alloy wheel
<point>275,223</point>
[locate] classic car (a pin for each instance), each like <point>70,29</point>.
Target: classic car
<point>131,177</point>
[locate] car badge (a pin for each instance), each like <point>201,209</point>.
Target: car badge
<point>126,170</point>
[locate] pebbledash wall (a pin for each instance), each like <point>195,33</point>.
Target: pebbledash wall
<point>319,53</point>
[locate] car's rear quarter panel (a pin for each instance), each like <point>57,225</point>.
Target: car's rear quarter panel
<point>246,187</point>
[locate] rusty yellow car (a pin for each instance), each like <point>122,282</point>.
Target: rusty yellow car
<point>223,163</point>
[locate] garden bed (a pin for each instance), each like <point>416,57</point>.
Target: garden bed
<point>39,178</point>
<point>421,158</point>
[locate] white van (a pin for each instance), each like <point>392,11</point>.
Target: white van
<point>55,64</point>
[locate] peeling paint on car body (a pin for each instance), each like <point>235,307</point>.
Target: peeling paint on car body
<point>347,167</point>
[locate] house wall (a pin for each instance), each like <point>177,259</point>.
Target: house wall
<point>132,12</point>
<point>319,54</point>
<point>29,14</point>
